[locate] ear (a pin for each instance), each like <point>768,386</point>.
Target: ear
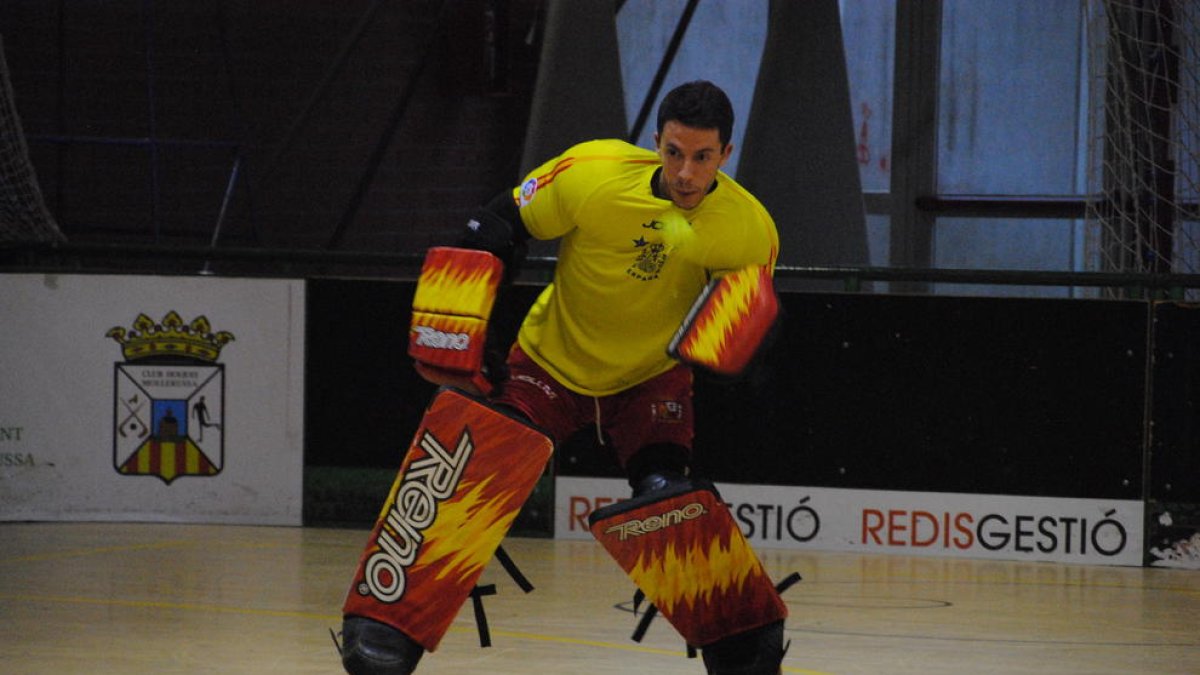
<point>726,153</point>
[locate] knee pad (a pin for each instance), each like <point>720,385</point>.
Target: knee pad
<point>682,548</point>
<point>468,471</point>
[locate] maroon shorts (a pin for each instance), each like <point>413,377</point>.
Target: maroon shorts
<point>658,410</point>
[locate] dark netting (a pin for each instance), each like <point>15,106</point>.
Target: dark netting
<point>23,214</point>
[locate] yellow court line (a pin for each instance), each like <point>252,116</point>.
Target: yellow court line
<point>538,637</point>
<point>171,543</point>
<point>335,618</point>
<point>73,553</point>
<point>158,604</point>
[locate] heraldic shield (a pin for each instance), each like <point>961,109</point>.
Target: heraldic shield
<point>169,400</point>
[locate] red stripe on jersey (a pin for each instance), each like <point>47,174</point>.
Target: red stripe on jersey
<point>558,168</point>
<point>567,162</point>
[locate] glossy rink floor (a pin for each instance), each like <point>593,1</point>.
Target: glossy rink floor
<point>140,598</point>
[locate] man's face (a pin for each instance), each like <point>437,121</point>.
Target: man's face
<point>690,159</point>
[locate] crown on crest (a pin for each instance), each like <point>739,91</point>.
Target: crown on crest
<point>171,337</point>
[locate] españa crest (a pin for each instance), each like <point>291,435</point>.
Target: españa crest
<point>169,398</point>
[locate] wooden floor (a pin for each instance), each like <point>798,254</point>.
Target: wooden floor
<point>139,598</point>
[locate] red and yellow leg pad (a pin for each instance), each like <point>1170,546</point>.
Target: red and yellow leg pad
<point>467,473</point>
<point>682,548</point>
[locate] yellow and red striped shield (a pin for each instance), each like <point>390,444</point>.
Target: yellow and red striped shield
<point>168,459</point>
<point>468,471</point>
<point>686,553</point>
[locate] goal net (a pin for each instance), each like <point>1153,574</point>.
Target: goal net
<point>1144,135</point>
<point>23,213</point>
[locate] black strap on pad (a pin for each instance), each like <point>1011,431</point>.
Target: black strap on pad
<point>513,571</point>
<point>477,594</point>
<point>651,611</point>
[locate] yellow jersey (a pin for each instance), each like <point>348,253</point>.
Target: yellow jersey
<point>630,264</point>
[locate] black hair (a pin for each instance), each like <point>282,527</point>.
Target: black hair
<point>699,104</point>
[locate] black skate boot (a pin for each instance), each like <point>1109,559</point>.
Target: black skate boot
<point>755,652</point>
<point>373,648</point>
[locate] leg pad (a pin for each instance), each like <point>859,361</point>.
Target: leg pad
<point>682,548</point>
<point>467,473</point>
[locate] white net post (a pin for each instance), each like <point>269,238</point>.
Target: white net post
<point>23,213</point>
<point>1144,135</point>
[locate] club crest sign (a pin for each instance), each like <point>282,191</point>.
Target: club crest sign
<point>169,398</point>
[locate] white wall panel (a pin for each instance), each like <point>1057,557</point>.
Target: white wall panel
<point>91,435</point>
